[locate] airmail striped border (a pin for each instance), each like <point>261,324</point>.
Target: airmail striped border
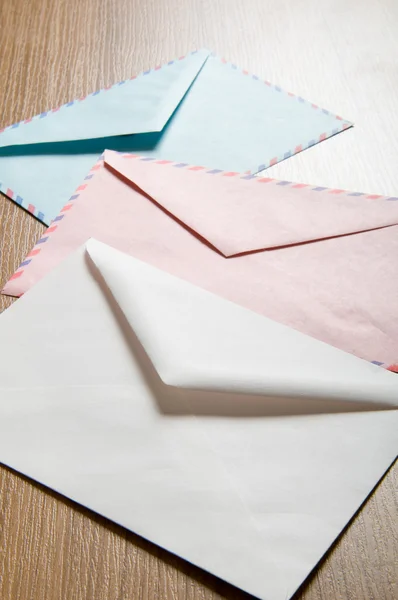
<point>256,178</point>
<point>21,202</point>
<point>341,124</point>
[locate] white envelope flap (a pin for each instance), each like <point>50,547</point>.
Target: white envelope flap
<point>199,341</point>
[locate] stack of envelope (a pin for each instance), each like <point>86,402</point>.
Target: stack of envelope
<point>201,353</point>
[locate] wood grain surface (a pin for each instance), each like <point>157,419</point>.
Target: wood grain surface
<point>341,54</point>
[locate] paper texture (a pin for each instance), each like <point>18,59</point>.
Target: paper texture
<point>198,110</point>
<point>320,261</point>
<point>252,488</point>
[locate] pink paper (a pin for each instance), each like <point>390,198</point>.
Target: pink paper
<point>321,261</point>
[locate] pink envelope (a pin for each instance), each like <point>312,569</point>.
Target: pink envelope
<point>319,260</point>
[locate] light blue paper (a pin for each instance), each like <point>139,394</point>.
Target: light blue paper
<point>198,110</point>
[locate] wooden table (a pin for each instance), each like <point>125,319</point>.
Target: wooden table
<point>340,54</point>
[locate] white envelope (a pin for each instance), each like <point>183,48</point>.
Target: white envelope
<point>231,440</point>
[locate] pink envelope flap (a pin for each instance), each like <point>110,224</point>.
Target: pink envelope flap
<point>220,209</point>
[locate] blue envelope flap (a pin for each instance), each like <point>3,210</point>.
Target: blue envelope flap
<point>138,105</point>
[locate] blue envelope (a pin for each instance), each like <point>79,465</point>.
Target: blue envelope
<point>198,110</point>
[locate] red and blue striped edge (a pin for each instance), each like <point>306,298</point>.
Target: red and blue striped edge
<point>23,203</point>
<point>54,224</point>
<point>214,172</point>
<point>341,125</point>
<point>393,368</point>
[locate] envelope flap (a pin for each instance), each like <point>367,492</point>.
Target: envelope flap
<point>141,104</point>
<point>242,213</point>
<point>197,340</point>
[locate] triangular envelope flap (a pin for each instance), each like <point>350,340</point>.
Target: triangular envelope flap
<point>238,214</point>
<point>142,104</point>
<point>197,340</point>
